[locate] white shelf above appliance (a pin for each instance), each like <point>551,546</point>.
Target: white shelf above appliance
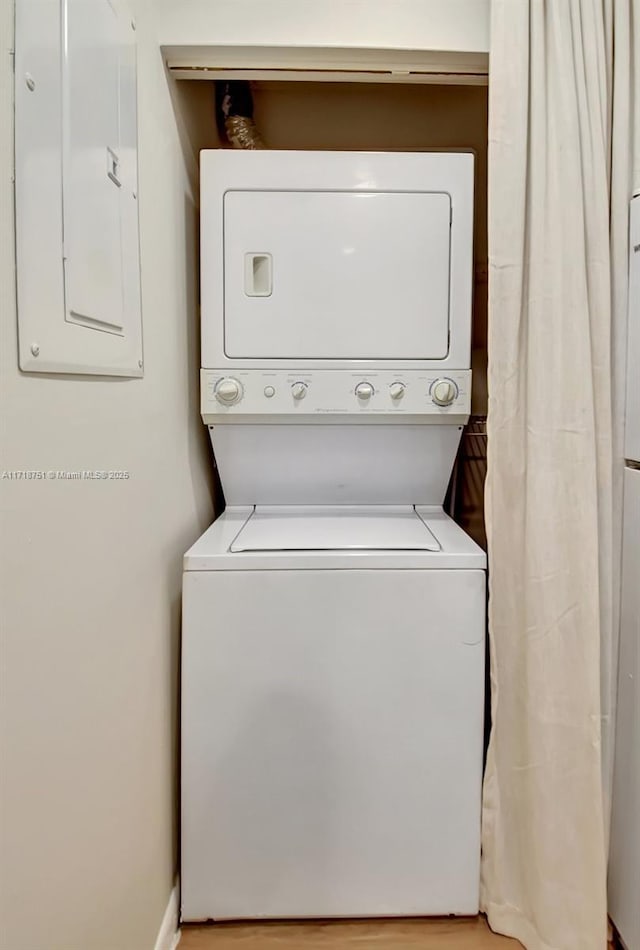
<point>317,64</point>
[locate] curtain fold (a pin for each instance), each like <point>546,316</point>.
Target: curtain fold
<point>561,118</point>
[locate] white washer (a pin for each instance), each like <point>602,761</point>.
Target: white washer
<point>332,715</point>
<point>333,616</point>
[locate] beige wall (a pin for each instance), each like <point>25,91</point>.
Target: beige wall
<point>91,581</point>
<point>377,24</point>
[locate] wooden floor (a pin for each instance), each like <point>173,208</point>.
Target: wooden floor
<point>427,934</point>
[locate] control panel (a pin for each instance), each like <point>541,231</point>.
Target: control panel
<point>248,394</point>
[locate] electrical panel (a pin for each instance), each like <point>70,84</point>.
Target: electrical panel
<point>77,248</point>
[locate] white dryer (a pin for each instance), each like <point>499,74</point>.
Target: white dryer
<point>333,616</point>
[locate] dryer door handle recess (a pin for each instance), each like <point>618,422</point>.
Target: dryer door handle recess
<point>258,275</point>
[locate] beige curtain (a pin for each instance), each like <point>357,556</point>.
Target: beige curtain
<point>560,159</point>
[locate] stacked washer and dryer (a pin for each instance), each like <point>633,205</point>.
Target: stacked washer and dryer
<point>333,615</point>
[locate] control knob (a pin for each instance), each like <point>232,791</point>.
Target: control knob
<point>443,392</point>
<point>228,391</point>
<point>299,390</point>
<point>396,390</point>
<point>364,390</point>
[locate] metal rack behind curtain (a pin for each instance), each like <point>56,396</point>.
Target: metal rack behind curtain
<point>465,499</point>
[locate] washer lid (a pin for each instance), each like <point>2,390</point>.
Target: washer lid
<point>336,528</point>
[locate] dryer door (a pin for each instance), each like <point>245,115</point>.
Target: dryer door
<point>336,275</point>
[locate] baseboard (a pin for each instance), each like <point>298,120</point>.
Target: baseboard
<point>169,934</point>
